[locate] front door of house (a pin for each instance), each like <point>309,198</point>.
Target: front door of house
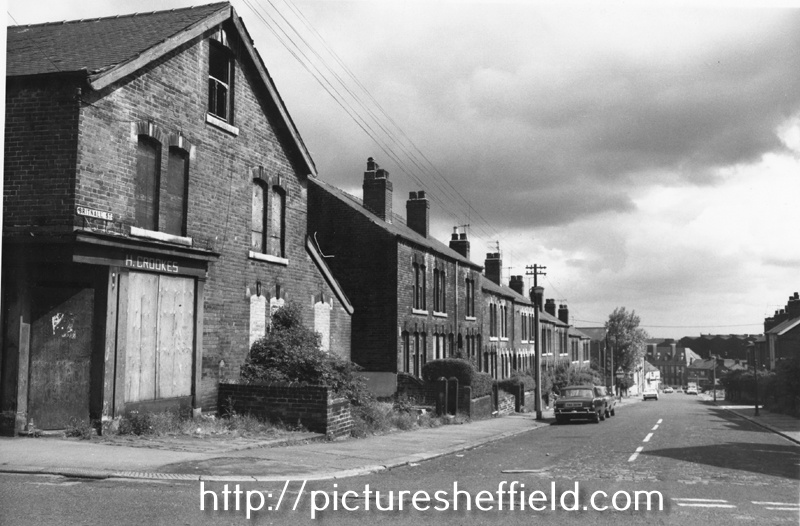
<point>60,356</point>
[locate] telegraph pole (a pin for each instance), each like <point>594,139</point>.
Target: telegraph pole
<point>538,292</point>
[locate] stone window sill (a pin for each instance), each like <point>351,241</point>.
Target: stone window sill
<point>268,258</point>
<point>421,312</point>
<point>440,314</point>
<point>160,236</point>
<point>222,125</point>
<point>470,318</point>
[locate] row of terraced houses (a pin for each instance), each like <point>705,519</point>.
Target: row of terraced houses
<point>160,204</point>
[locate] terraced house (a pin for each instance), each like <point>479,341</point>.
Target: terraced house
<point>416,299</point>
<point>155,213</point>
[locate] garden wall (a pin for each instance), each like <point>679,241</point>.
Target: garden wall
<point>314,407</point>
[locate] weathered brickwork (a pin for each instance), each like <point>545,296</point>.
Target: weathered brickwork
<point>41,137</point>
<point>313,407</point>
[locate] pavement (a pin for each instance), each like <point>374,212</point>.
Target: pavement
<point>305,457</point>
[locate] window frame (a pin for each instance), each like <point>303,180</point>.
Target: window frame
<point>219,49</point>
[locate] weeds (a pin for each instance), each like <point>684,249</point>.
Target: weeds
<point>175,423</point>
<point>82,429</point>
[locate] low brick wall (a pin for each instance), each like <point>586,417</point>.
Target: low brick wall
<point>416,389</point>
<point>314,407</point>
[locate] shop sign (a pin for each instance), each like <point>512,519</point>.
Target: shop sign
<point>151,264</point>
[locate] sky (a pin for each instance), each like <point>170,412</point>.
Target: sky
<point>649,157</point>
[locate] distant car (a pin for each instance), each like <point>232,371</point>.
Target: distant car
<point>650,393</point>
<point>584,402</point>
<point>611,400</point>
<point>691,390</point>
<point>668,390</point>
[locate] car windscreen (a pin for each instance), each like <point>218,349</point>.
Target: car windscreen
<point>582,393</point>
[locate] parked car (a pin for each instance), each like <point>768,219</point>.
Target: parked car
<point>611,400</point>
<point>650,393</point>
<point>691,390</point>
<point>582,402</point>
<point>668,390</point>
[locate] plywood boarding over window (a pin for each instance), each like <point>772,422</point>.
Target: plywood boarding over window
<point>159,337</point>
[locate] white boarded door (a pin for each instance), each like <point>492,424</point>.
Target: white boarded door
<point>159,337</point>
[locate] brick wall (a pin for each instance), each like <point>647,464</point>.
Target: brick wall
<point>41,136</point>
<point>314,407</point>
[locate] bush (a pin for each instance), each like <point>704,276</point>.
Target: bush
<point>463,371</point>
<point>290,352</point>
<point>511,384</point>
<point>448,368</point>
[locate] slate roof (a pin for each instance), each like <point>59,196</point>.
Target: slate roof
<point>784,327</point>
<point>397,227</point>
<point>95,45</point>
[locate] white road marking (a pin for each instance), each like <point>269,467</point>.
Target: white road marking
<point>660,420</point>
<point>700,500</point>
<point>648,437</point>
<point>783,509</point>
<point>774,503</point>
<point>655,427</point>
<point>633,457</point>
<point>703,505</point>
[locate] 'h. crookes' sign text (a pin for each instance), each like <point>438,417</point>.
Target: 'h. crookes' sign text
<point>153,264</point>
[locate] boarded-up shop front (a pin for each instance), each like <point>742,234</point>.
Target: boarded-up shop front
<point>98,328</point>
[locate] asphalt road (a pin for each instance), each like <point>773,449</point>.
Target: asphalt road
<point>708,467</point>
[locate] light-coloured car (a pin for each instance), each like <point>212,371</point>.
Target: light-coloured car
<point>691,390</point>
<point>650,393</point>
<point>668,390</point>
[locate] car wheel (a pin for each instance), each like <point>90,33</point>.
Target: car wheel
<point>607,414</point>
<point>613,411</point>
<point>601,415</point>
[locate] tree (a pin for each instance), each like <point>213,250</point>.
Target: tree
<point>625,338</point>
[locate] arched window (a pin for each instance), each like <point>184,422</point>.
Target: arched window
<point>259,218</point>
<point>174,205</point>
<point>277,221</point>
<point>148,172</point>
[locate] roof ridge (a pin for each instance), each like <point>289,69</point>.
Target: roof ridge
<point>129,15</point>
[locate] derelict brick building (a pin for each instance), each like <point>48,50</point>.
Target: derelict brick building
<point>155,213</point>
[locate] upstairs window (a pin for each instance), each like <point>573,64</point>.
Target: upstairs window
<point>258,219</point>
<point>438,290</point>
<point>420,287</point>
<point>268,219</point>
<point>277,221</point>
<point>470,299</point>
<point>174,203</point>
<point>220,78</point>
<point>148,173</point>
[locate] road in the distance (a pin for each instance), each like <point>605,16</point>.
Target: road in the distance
<point>710,466</point>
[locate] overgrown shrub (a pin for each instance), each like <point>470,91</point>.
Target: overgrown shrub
<point>511,384</point>
<point>290,352</point>
<point>462,370</point>
<point>566,374</point>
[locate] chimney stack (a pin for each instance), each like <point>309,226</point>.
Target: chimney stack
<point>377,191</point>
<point>417,216</point>
<point>563,314</point>
<point>459,242</point>
<point>550,307</point>
<point>492,267</point>
<point>517,285</point>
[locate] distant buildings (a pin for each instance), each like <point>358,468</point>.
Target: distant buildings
<point>671,359</point>
<point>782,332</point>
